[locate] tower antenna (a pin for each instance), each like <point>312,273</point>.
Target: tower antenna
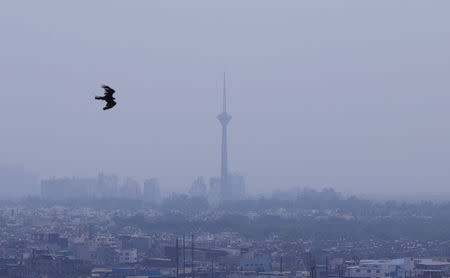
<point>224,93</point>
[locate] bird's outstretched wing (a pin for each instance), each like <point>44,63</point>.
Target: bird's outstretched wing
<point>109,104</point>
<point>108,91</point>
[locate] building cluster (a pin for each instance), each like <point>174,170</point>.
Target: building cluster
<point>109,187</point>
<point>214,192</point>
<point>84,242</point>
<point>71,241</point>
<point>101,187</point>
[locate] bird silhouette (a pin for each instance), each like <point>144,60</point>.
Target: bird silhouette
<point>108,97</point>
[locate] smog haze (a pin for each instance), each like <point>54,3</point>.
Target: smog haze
<point>351,95</point>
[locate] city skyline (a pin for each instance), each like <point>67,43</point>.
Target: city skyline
<point>119,159</point>
<point>321,101</point>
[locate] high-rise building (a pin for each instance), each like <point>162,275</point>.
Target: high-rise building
<point>214,191</point>
<point>130,189</point>
<point>106,186</point>
<point>224,118</point>
<point>152,194</point>
<point>198,188</point>
<point>236,183</point>
<point>67,188</point>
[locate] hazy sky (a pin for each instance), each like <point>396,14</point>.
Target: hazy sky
<point>350,94</point>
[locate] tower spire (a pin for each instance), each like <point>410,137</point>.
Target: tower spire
<point>224,94</point>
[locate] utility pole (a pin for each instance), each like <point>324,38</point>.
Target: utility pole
<point>192,257</point>
<point>212,266</point>
<point>281,264</point>
<point>311,263</point>
<point>184,256</point>
<point>176,247</point>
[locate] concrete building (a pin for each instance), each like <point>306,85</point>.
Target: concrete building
<point>66,188</point>
<point>236,184</point>
<point>214,191</point>
<point>431,268</point>
<point>78,188</point>
<point>141,243</point>
<point>259,263</point>
<point>130,189</point>
<point>198,188</point>
<point>107,255</point>
<point>398,268</point>
<point>152,193</point>
<point>128,256</point>
<point>105,187</point>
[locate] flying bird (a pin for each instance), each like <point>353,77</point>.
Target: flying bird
<point>108,97</point>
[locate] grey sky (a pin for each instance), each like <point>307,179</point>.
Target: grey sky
<point>351,94</point>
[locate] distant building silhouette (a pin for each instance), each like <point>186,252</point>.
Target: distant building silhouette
<point>236,183</point>
<point>152,194</point>
<point>105,187</point>
<point>214,191</point>
<point>67,188</point>
<point>130,189</point>
<point>198,188</point>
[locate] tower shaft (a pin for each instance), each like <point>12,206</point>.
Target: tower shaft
<point>224,162</point>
